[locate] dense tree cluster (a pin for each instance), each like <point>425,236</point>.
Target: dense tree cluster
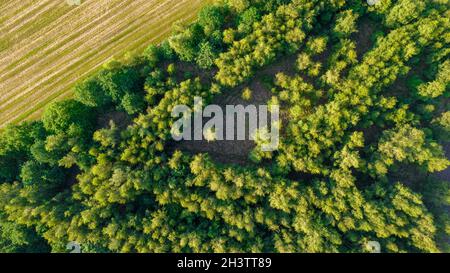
<point>354,118</point>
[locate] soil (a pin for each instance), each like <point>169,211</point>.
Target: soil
<point>121,119</point>
<point>363,37</point>
<point>445,175</point>
<point>237,151</point>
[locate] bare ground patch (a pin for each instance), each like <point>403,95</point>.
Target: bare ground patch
<point>228,151</point>
<point>364,36</point>
<point>445,175</point>
<point>237,151</point>
<point>120,119</point>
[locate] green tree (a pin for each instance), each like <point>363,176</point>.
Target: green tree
<point>15,143</point>
<point>346,23</point>
<point>34,173</point>
<point>60,116</point>
<point>133,103</point>
<point>91,93</point>
<point>206,56</point>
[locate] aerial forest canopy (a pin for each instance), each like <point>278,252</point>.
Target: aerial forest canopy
<point>364,98</point>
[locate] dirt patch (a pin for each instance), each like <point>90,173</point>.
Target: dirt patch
<point>185,70</point>
<point>286,64</point>
<point>363,37</point>
<point>71,176</point>
<point>371,134</point>
<point>237,151</point>
<point>120,119</point>
<point>445,175</point>
<point>229,151</point>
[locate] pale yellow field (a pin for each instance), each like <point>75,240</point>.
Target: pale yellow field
<point>46,46</point>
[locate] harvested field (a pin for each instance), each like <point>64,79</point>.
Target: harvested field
<point>46,46</point>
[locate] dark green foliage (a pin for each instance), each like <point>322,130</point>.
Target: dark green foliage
<point>15,143</point>
<point>42,155</point>
<point>247,19</point>
<point>117,81</point>
<point>212,18</point>
<point>67,116</point>
<point>132,103</point>
<point>153,54</point>
<point>15,238</point>
<point>34,173</point>
<point>91,93</point>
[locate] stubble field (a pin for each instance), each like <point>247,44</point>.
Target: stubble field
<point>46,46</point>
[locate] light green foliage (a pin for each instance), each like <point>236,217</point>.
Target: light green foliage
<point>205,58</point>
<point>440,85</point>
<point>247,94</point>
<point>408,144</point>
<point>346,23</point>
<point>404,12</point>
<point>442,126</point>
